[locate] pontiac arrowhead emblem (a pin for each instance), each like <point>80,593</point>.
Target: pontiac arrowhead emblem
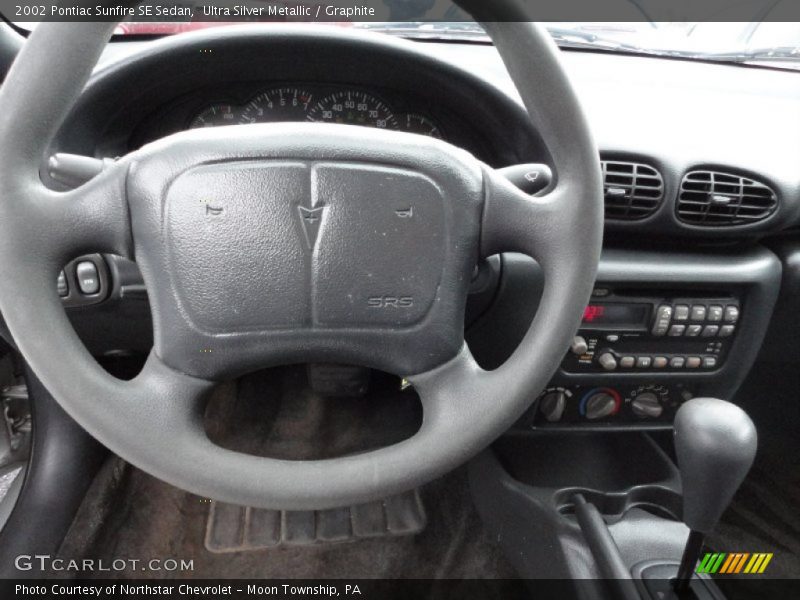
<point>311,220</point>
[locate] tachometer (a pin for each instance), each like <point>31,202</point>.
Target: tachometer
<point>353,108</point>
<point>416,123</point>
<point>215,115</point>
<point>278,104</point>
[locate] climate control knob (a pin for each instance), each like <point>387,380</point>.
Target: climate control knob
<point>552,405</point>
<point>647,405</point>
<point>599,405</point>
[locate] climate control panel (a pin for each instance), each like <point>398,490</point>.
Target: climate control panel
<point>633,404</point>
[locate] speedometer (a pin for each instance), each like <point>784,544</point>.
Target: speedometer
<point>353,108</point>
<point>278,104</point>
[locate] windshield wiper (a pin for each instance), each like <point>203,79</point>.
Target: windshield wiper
<point>780,57</point>
<point>419,30</point>
<point>777,53</point>
<point>574,38</point>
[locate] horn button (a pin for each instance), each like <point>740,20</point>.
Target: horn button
<point>262,261</point>
<point>260,246</point>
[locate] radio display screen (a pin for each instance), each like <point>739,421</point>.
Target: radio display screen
<point>622,316</point>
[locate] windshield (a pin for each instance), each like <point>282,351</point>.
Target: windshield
<point>764,42</point>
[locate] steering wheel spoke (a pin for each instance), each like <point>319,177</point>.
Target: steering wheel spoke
<point>91,218</point>
<point>52,228</point>
<point>514,221</point>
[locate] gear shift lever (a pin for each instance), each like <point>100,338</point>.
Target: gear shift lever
<point>715,442</point>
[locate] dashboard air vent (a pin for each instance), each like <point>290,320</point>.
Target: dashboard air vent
<point>715,199</point>
<point>632,190</point>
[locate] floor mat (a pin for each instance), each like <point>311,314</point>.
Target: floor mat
<point>233,528</point>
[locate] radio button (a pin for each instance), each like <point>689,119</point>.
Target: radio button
<point>731,314</point>
<point>726,330</point>
<point>659,362</point>
<point>664,312</point>
<point>643,362</point>
<point>677,330</point>
<point>715,313</point>
<point>627,362</point>
<point>660,329</point>
<point>663,316</point>
<point>677,362</point>
<point>710,330</point>
<point>698,313</point>
<point>694,330</point>
<point>681,312</point>
<point>693,362</point>
<point>607,361</point>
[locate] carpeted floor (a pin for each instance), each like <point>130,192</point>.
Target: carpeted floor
<point>765,513</point>
<point>130,514</point>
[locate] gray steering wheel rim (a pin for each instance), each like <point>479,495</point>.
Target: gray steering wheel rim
<point>154,421</point>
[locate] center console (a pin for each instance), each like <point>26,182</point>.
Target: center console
<point>585,486</point>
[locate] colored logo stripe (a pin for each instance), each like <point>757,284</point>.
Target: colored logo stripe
<point>711,562</point>
<point>758,563</point>
<point>734,562</point>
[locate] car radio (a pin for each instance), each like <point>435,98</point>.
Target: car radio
<point>645,333</point>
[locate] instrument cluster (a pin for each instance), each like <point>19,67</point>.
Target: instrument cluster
<point>342,106</point>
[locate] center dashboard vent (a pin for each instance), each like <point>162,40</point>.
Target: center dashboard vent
<point>632,190</point>
<point>715,199</point>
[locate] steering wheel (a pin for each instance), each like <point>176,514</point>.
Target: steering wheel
<point>271,244</point>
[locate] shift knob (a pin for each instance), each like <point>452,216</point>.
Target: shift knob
<point>715,442</point>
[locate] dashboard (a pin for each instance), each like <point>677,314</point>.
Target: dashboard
<point>684,294</point>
